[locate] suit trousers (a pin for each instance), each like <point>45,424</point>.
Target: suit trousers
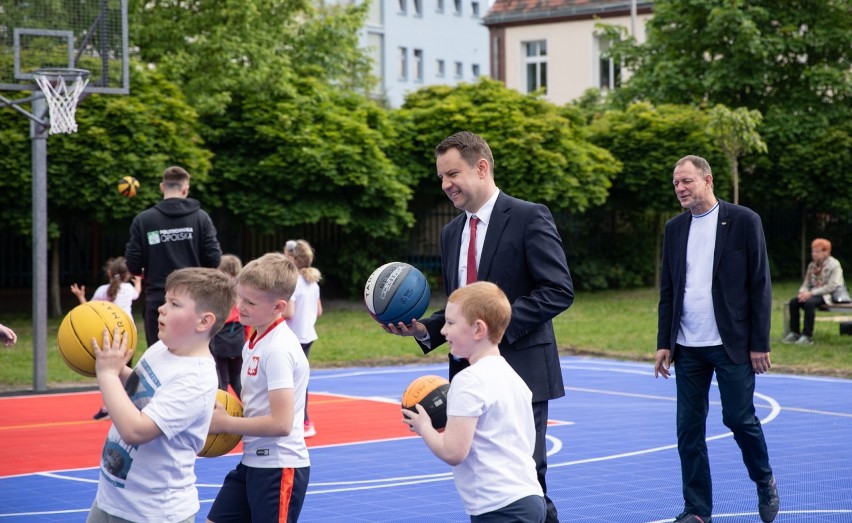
<point>540,414</point>
<point>694,367</point>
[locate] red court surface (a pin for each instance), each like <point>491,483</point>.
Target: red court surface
<point>56,431</point>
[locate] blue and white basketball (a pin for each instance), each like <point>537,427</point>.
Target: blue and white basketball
<point>396,292</point>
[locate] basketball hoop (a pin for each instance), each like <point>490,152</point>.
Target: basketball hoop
<point>62,99</point>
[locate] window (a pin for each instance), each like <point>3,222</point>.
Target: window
<point>439,68</point>
<point>474,69</point>
<point>457,7</point>
<point>459,69</point>
<point>608,72</point>
<point>375,44</point>
<point>440,6</point>
<point>402,6</point>
<point>474,8</point>
<point>403,63</point>
<point>418,7</point>
<point>535,65</point>
<point>418,65</point>
<point>374,15</point>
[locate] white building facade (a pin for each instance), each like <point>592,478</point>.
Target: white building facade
<point>415,43</point>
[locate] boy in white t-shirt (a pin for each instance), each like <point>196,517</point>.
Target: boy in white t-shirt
<point>490,433</point>
<point>161,409</point>
<point>270,482</point>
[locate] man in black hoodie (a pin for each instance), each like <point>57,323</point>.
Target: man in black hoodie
<point>171,235</point>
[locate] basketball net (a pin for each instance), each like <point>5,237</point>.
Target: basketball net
<point>61,100</point>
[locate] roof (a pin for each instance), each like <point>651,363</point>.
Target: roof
<point>511,12</point>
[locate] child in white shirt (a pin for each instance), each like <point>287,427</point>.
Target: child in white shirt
<point>270,482</point>
<point>304,306</point>
<point>490,432</point>
<point>161,409</point>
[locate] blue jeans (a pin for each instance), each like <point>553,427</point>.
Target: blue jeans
<point>694,367</point>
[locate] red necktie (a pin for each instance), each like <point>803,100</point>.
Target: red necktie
<point>471,251</point>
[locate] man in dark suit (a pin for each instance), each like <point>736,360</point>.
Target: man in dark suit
<point>517,247</point>
<point>714,315</point>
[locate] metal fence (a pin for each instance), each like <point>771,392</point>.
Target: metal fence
<point>83,246</point>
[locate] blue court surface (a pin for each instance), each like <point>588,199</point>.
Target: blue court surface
<point>613,456</point>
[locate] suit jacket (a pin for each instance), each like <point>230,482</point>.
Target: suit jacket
<point>742,288</point>
<point>523,255</point>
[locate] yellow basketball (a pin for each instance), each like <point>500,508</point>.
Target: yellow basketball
<point>128,186</point>
<point>221,444</point>
<point>87,321</point>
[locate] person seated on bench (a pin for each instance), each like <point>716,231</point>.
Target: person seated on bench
<point>823,277</point>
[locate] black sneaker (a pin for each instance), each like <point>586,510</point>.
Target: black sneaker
<point>686,517</point>
<point>768,501</point>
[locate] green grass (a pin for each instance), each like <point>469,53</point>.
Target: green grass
<point>615,324</point>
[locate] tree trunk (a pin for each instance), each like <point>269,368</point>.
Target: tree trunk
<point>804,250</point>
<point>736,172</point>
<point>55,296</point>
<point>658,249</point>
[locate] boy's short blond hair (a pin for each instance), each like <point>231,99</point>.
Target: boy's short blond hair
<point>484,301</point>
<point>272,273</point>
<point>211,290</point>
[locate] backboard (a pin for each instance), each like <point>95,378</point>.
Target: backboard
<point>83,34</point>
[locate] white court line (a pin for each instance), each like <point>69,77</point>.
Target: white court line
<point>740,514</point>
<point>346,486</point>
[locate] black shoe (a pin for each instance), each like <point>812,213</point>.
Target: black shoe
<point>686,517</point>
<point>100,414</point>
<point>768,501</point>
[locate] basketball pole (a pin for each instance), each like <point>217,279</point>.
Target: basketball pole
<point>38,135</point>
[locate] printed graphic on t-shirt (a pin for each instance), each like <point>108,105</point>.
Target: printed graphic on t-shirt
<point>117,456</point>
<point>169,235</point>
<point>116,461</point>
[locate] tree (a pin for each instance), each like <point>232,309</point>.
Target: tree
<point>647,141</point>
<point>736,134</point>
<point>315,155</point>
<point>789,60</point>
<point>541,154</point>
<point>221,50</point>
<point>137,135</point>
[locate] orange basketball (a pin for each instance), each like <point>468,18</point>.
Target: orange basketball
<point>222,443</point>
<point>431,393</point>
<point>128,186</point>
<point>87,321</point>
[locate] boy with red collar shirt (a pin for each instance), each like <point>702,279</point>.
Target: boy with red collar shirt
<point>270,482</point>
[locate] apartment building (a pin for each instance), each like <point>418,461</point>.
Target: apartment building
<point>415,43</point>
<point>554,45</point>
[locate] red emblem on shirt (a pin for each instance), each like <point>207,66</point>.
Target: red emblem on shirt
<point>253,364</point>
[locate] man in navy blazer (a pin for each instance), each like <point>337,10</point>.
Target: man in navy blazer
<point>714,316</point>
<point>519,249</point>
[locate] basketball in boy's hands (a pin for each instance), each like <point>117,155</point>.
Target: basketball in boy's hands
<point>222,443</point>
<point>87,321</point>
<point>396,292</point>
<point>431,393</point>
<point>128,186</point>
